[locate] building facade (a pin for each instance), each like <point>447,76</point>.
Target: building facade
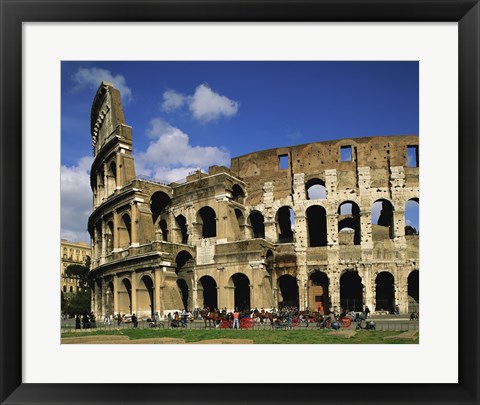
<point>317,226</point>
<point>72,253</point>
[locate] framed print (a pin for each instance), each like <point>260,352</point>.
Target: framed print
<point>50,51</point>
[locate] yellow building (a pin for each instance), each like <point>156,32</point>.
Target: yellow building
<point>72,253</point>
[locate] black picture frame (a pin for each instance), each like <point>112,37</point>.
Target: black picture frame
<point>14,13</point>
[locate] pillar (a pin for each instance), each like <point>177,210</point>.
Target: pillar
<point>133,279</point>
<point>116,241</point>
<point>134,215</point>
<point>103,293</point>
<point>115,294</point>
<point>157,278</point>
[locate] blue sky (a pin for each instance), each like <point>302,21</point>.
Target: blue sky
<point>203,113</point>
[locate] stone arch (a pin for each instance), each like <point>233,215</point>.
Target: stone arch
<point>413,291</point>
<point>286,223</point>
<point>315,189</point>
<point>288,291</point>
<point>182,227</point>
<point>207,222</point>
<point>207,292</point>
<point>145,297</point>
<point>125,296</point>
<point>318,292</point>
<point>412,216</point>
<point>349,232</point>
<point>112,176</point>
<point>184,261</point>
<point>109,237</point>
<point>317,226</point>
<point>98,240</point>
<point>238,194</point>
<point>382,220</point>
<point>159,204</point>
<point>240,219</point>
<point>257,222</point>
<point>351,291</point>
<point>125,232</point>
<point>184,294</point>
<point>109,291</point>
<point>241,291</point>
<point>385,292</point>
<point>269,261</point>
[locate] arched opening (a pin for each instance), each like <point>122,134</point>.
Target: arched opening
<point>269,261</point>
<point>241,292</point>
<point>145,300</point>
<point>112,177</point>
<point>316,189</point>
<point>208,222</point>
<point>256,220</point>
<point>109,299</point>
<point>349,224</point>
<point>184,261</point>
<point>240,219</point>
<point>413,291</point>
<point>98,240</point>
<point>182,225</point>
<point>288,289</point>
<point>159,204</point>
<point>183,287</point>
<point>351,291</point>
<point>238,194</point>
<point>163,227</point>
<point>318,295</point>
<point>125,232</point>
<point>64,288</point>
<point>109,237</point>
<point>317,226</point>
<point>285,221</point>
<point>71,288</point>
<point>125,297</point>
<point>382,220</point>
<point>385,292</point>
<point>412,219</point>
<point>208,288</point>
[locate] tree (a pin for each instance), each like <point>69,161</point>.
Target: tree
<point>79,272</point>
<point>410,230</point>
<point>79,303</point>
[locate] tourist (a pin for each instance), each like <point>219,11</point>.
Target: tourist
<point>77,322</point>
<point>235,319</point>
<point>134,321</point>
<point>367,311</point>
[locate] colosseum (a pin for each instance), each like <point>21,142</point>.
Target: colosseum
<point>285,226</point>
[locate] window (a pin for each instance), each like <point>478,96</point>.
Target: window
<point>283,161</point>
<point>318,298</point>
<point>346,153</point>
<point>412,156</point>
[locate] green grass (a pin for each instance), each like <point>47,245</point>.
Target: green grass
<point>312,336</point>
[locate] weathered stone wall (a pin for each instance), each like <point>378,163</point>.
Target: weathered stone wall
<point>192,244</point>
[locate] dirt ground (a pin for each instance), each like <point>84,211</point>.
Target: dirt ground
<point>122,340</point>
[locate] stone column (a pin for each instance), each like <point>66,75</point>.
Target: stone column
<point>332,229</point>
<point>334,289</point>
<point>104,242</point>
<point>157,280</point>
<point>118,174</point>
<point>134,212</point>
<point>116,239</point>
<point>115,294</point>
<point>104,297</point>
<point>369,287</point>
<point>366,229</point>
<point>133,279</point>
<point>105,180</point>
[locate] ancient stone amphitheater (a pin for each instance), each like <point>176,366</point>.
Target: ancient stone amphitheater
<point>317,226</point>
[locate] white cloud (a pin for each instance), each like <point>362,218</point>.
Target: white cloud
<point>294,136</point>
<point>93,77</point>
<point>76,200</point>
<point>172,100</point>
<point>205,105</point>
<point>170,155</point>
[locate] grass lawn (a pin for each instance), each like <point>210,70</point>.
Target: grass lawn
<point>310,336</point>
